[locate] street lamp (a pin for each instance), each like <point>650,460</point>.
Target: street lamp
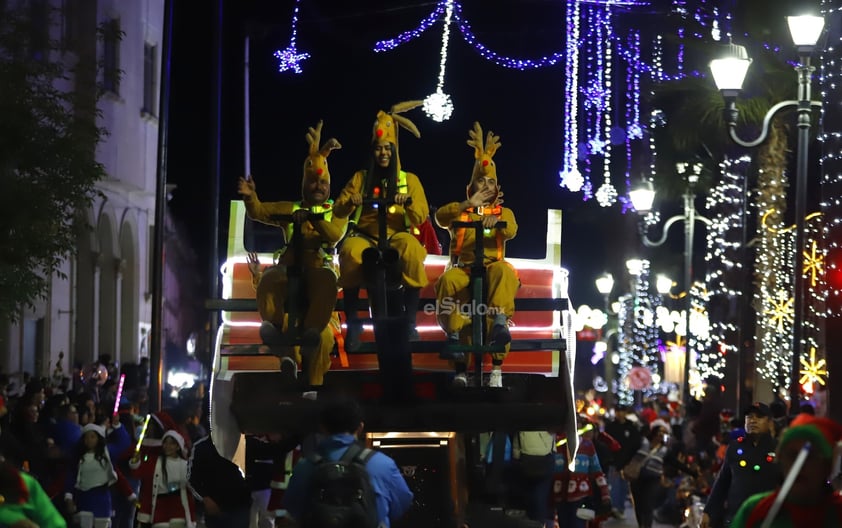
<point>604,285</point>
<point>729,73</point>
<point>689,217</point>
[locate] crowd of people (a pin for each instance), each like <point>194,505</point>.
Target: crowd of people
<point>698,466</point>
<point>70,459</point>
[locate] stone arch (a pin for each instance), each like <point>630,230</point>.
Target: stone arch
<point>108,270</point>
<point>129,293</point>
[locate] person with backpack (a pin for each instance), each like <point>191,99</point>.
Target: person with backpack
<point>344,484</point>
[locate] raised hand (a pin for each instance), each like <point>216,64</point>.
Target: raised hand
<point>480,198</point>
<point>246,187</point>
<point>253,263</point>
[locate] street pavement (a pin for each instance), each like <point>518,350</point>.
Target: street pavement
<point>630,522</point>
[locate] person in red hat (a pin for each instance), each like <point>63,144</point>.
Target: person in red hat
<point>810,501</point>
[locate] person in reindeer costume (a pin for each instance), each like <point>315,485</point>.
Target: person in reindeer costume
<point>383,179</point>
<point>319,238</point>
<point>164,499</point>
<point>484,203</point>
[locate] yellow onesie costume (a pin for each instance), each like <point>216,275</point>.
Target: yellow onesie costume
<point>318,238</point>
<point>454,303</point>
<point>384,179</point>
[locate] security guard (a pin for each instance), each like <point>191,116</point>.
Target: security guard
<point>750,467</point>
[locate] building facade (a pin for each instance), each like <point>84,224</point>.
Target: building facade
<point>104,304</point>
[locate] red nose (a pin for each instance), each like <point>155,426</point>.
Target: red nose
<point>379,132</point>
<point>319,172</point>
<point>485,163</point>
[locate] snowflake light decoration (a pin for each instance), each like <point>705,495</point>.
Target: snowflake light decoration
<point>813,263</point>
<point>781,311</point>
<point>813,371</point>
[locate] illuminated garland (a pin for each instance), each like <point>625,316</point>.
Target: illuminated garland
<point>625,348</point>
<point>569,174</point>
<point>830,80</point>
<point>638,341</point>
<point>606,195</point>
<point>724,278</point>
<point>438,106</point>
<point>470,38</point>
<point>774,317</point>
<point>290,58</point>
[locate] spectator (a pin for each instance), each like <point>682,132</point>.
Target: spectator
<point>342,420</point>
<point>749,467</point>
<point>24,501</point>
<point>628,435</point>
<point>219,486</point>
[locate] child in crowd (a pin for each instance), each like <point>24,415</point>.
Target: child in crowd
<point>164,499</point>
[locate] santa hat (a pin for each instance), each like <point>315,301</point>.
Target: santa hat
<point>822,433</point>
<point>98,429</point>
<point>175,436</point>
<point>658,422</point>
<point>316,161</point>
<point>386,125</point>
<point>484,166</point>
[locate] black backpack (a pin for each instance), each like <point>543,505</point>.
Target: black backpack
<point>341,494</point>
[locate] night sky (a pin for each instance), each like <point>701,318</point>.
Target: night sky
<point>345,83</point>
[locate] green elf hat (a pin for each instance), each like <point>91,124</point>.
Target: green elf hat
<point>823,433</point>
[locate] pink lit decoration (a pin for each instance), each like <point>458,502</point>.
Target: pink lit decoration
<point>119,394</point>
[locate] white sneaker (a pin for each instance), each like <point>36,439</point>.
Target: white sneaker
<point>460,380</point>
<point>496,378</point>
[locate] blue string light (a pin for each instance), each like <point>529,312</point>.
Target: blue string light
<point>290,58</point>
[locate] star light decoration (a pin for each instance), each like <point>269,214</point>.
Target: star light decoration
<point>813,371</point>
<point>814,263</point>
<point>438,106</point>
<point>290,58</point>
<point>782,310</point>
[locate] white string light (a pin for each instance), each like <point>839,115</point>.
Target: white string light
<point>438,106</point>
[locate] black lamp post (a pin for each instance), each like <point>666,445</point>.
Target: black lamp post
<point>642,200</point>
<point>729,73</point>
<point>604,285</point>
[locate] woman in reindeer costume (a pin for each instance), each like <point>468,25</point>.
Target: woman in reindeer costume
<point>383,179</point>
<point>319,237</point>
<point>484,204</point>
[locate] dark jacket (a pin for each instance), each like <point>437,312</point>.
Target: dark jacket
<point>213,476</point>
<point>747,469</point>
<point>628,435</point>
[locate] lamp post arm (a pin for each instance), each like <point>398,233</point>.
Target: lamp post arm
<point>649,243</point>
<point>731,113</point>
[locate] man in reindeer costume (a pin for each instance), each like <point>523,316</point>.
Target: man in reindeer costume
<point>318,239</point>
<point>484,204</point>
<point>383,179</point>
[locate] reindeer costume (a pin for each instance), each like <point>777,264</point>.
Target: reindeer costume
<point>319,237</point>
<point>384,182</point>
<point>452,289</point>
